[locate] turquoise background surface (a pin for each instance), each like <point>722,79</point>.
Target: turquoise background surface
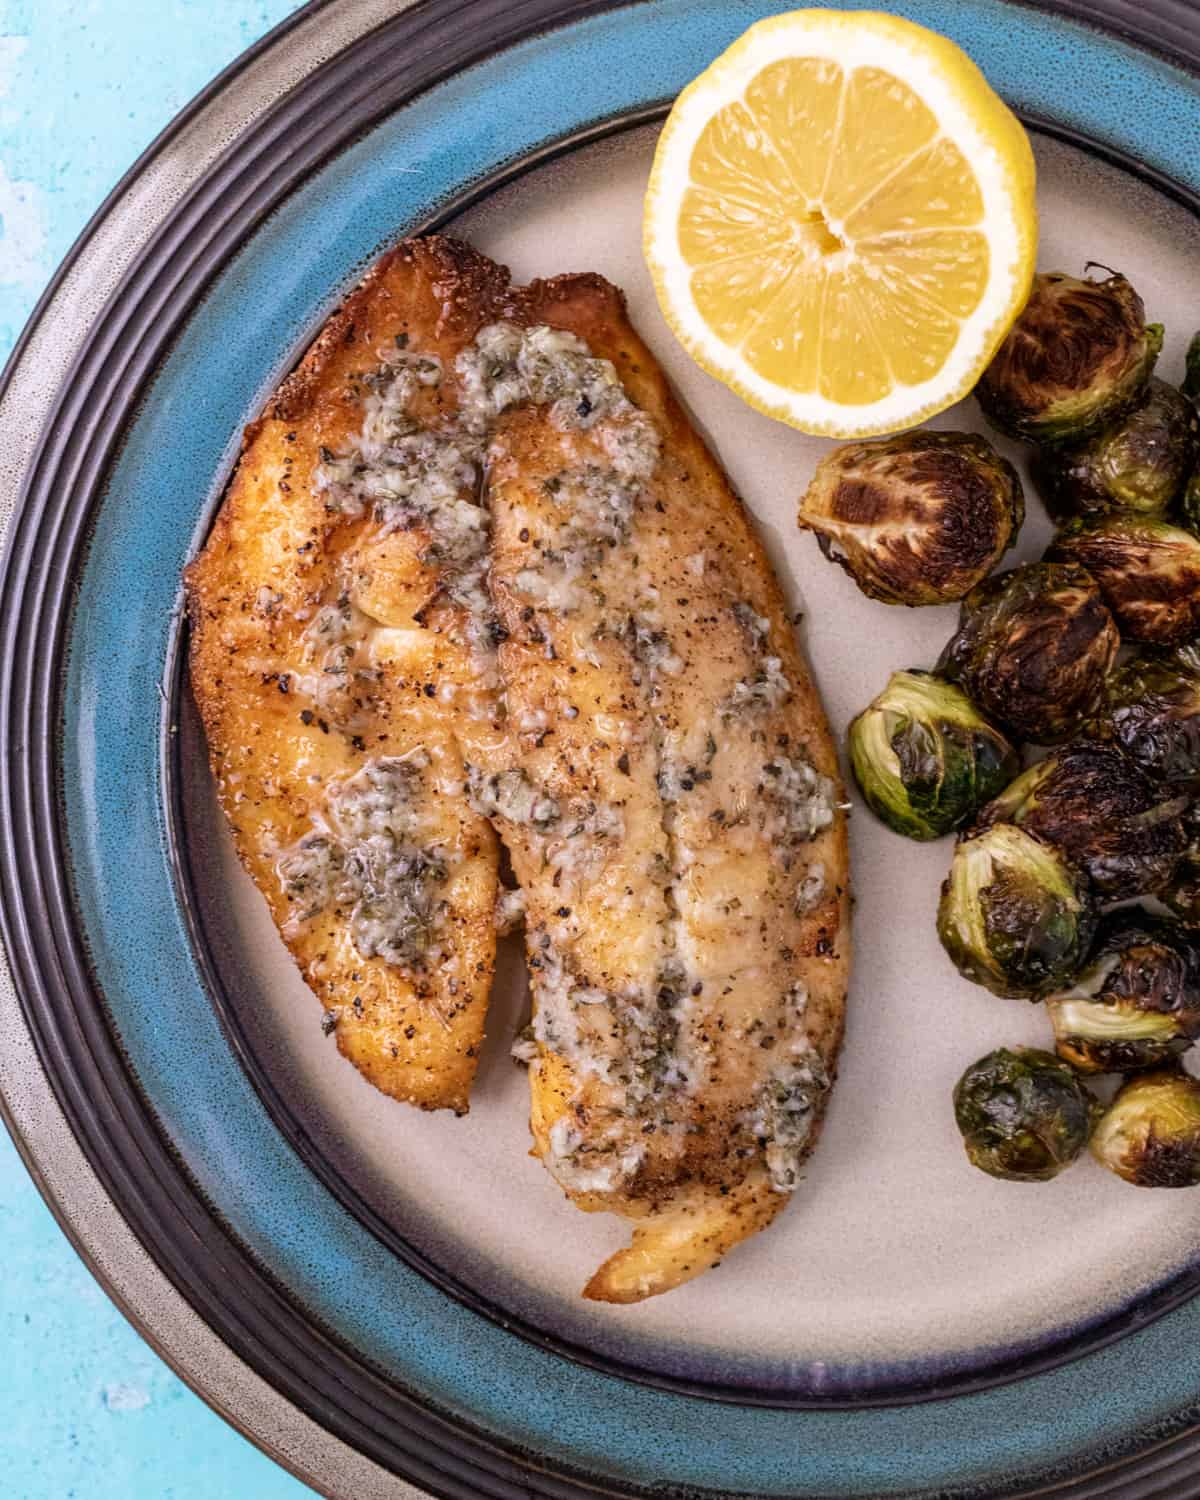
<point>90,1412</point>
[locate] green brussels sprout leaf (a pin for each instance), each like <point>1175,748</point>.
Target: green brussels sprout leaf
<point>1189,502</point>
<point>1023,1114</point>
<point>1151,712</point>
<point>1105,816</point>
<point>1150,1133</point>
<point>1147,570</point>
<point>1033,648</point>
<point>1137,1003</point>
<point>1139,463</point>
<point>915,519</point>
<point>1014,916</point>
<point>1191,381</point>
<point>925,758</point>
<point>1078,357</point>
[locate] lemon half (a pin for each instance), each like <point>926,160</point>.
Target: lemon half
<point>840,221</point>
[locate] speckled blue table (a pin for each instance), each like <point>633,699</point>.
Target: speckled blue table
<point>89,1410</point>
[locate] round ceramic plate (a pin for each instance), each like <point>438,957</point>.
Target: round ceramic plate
<point>396,1294</point>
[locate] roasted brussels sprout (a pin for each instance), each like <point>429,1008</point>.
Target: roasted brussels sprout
<point>1078,356</point>
<point>1189,505</point>
<point>1147,570</point>
<point>1191,380</point>
<point>1150,1133</point>
<point>1023,1114</point>
<point>1137,1003</point>
<point>1182,893</point>
<point>1189,502</point>
<point>915,519</point>
<point>1139,463</point>
<point>924,756</point>
<point>1033,648</point>
<point>1151,709</point>
<point>1124,831</point>
<point>1014,915</point>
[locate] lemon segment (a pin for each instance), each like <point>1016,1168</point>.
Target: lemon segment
<point>840,221</point>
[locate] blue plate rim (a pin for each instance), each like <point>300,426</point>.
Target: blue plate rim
<point>902,1388</point>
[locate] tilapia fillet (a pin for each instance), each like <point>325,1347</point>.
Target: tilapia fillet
<point>477,576</point>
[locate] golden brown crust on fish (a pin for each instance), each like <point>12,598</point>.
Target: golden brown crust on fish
<point>276,556</point>
<point>706,881</point>
<point>609,678</point>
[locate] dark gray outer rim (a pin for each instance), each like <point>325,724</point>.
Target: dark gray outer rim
<point>61,1004</point>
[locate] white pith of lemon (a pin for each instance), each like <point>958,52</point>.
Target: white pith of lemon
<point>840,221</point>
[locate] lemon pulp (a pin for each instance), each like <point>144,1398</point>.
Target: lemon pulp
<point>826,232</point>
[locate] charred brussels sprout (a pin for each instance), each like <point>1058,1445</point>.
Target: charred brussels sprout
<point>1189,503</point>
<point>1150,1133</point>
<point>1191,380</point>
<point>1137,1004</point>
<point>916,519</point>
<point>1147,570</point>
<point>1151,709</point>
<point>1124,831</point>
<point>924,756</point>
<point>1182,894</point>
<point>1014,915</point>
<point>1140,463</point>
<point>1033,648</point>
<point>1078,356</point>
<point>1023,1114</point>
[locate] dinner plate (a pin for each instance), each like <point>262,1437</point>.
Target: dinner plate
<point>374,1294</point>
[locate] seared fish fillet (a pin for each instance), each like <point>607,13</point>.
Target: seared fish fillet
<point>476,570</point>
<point>338,647</point>
<point>685,879</point>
